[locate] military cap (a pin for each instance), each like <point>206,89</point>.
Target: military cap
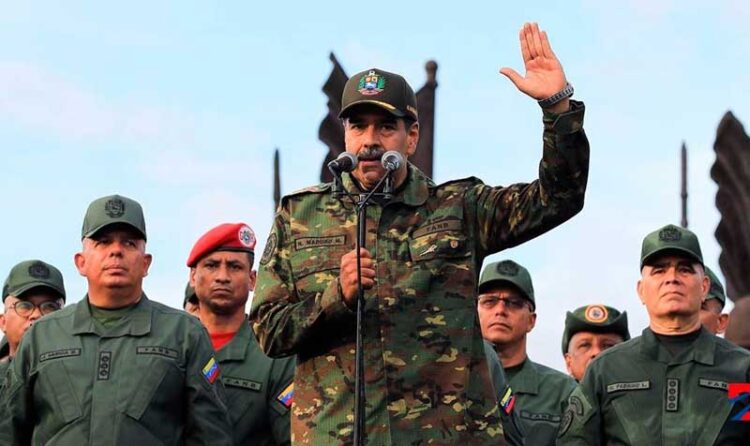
<point>190,295</point>
<point>717,290</point>
<point>388,91</point>
<point>225,237</point>
<point>674,239</point>
<point>511,272</point>
<point>113,209</point>
<point>31,274</point>
<point>595,318</point>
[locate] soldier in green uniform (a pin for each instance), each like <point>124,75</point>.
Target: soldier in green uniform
<point>712,315</point>
<point>589,330</point>
<point>512,430</point>
<point>506,308</point>
<point>116,368</point>
<point>259,390</point>
<point>669,385</point>
<point>190,302</point>
<point>426,377</point>
<point>32,289</point>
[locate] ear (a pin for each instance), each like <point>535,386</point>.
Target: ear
<point>639,290</point>
<point>192,277</point>
<point>80,261</point>
<point>2,322</point>
<point>253,277</point>
<point>568,362</point>
<point>706,286</point>
<point>147,263</point>
<point>532,322</point>
<point>723,322</point>
<point>412,138</point>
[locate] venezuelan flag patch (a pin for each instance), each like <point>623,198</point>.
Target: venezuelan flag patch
<point>508,401</point>
<point>286,397</point>
<point>211,370</point>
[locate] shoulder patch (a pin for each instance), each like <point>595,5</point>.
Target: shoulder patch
<point>211,370</point>
<point>286,397</point>
<point>269,249</point>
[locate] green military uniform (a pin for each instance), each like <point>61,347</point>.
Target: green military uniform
<point>541,397</point>
<point>146,379</point>
<point>595,318</point>
<point>659,389</point>
<point>512,429</point>
<point>4,359</point>
<point>259,391</point>
<point>426,377</point>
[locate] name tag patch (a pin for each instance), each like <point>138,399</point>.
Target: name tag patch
<point>243,383</point>
<point>638,385</point>
<point>713,384</point>
<point>540,416</point>
<point>160,351</point>
<point>432,227</point>
<point>316,242</point>
<point>59,354</point>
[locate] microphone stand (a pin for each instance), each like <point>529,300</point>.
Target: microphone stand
<point>359,368</point>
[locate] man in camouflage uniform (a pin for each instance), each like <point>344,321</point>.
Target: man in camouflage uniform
<point>426,377</point>
<point>116,368</point>
<point>259,389</point>
<point>712,315</point>
<point>32,289</point>
<point>669,385</point>
<point>506,308</point>
<point>589,330</point>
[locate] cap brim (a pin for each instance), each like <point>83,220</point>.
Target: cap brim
<point>93,232</point>
<point>27,286</point>
<point>673,249</point>
<point>384,105</point>
<point>576,325</point>
<point>483,287</point>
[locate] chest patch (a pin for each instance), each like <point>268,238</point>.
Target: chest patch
<point>64,353</point>
<point>160,351</point>
<point>636,385</point>
<point>242,383</point>
<point>534,416</point>
<point>438,226</point>
<point>316,242</point>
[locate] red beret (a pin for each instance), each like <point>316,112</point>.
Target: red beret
<point>225,237</point>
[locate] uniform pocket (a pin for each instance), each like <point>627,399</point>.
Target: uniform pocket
<point>54,383</point>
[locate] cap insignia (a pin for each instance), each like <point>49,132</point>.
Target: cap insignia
<point>114,208</point>
<point>596,314</point>
<point>670,234</point>
<point>39,270</point>
<point>246,236</point>
<point>371,84</point>
<point>507,268</point>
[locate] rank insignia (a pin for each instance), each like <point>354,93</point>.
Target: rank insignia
<point>286,397</point>
<point>211,370</point>
<point>371,84</point>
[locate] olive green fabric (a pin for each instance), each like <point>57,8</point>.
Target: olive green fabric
<point>595,318</point>
<point>31,274</point>
<point>4,361</point>
<point>388,91</point>
<point>426,377</point>
<point>671,238</point>
<point>507,271</point>
<point>113,209</point>
<point>717,290</point>
<point>512,429</point>
<point>541,397</point>
<point>190,295</point>
<point>255,387</point>
<point>139,383</point>
<point>636,393</point>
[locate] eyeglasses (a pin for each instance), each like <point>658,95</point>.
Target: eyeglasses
<point>511,303</point>
<point>25,308</point>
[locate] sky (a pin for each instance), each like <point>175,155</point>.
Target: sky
<point>180,105</point>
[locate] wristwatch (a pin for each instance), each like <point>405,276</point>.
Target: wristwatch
<point>557,97</point>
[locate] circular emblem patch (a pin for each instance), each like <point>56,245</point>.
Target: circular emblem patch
<point>507,268</point>
<point>39,270</point>
<point>567,420</point>
<point>596,314</point>
<point>670,234</point>
<point>269,249</point>
<point>114,208</point>
<point>246,236</point>
<point>371,84</point>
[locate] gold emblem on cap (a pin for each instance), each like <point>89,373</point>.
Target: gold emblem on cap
<point>596,314</point>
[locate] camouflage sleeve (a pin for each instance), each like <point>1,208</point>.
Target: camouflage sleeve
<point>508,216</point>
<point>581,422</point>
<point>281,396</point>
<point>280,319</point>
<point>207,420</point>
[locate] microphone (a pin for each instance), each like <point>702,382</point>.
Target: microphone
<point>346,162</point>
<point>392,160</point>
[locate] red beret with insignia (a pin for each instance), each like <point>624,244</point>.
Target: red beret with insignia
<point>225,237</point>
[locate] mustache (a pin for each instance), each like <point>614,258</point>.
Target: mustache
<point>371,154</point>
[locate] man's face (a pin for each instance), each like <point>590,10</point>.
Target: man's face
<point>369,132</point>
<point>672,286</point>
<point>584,346</point>
<point>504,315</point>
<point>712,318</point>
<point>14,324</point>
<point>114,257</point>
<point>222,281</point>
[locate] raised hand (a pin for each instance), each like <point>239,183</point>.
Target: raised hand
<point>544,74</point>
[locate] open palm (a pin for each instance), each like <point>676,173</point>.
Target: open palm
<point>544,74</point>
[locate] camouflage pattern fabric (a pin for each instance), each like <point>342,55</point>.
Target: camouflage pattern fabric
<point>425,370</point>
<point>636,393</point>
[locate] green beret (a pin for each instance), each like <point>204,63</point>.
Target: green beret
<point>716,291</point>
<point>673,239</point>
<point>508,271</point>
<point>595,318</point>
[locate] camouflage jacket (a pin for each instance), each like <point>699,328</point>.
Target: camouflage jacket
<point>426,375</point>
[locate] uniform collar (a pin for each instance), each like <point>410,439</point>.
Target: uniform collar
<point>701,352</point>
<point>526,379</point>
<point>139,320</point>
<point>413,193</point>
<point>236,349</point>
